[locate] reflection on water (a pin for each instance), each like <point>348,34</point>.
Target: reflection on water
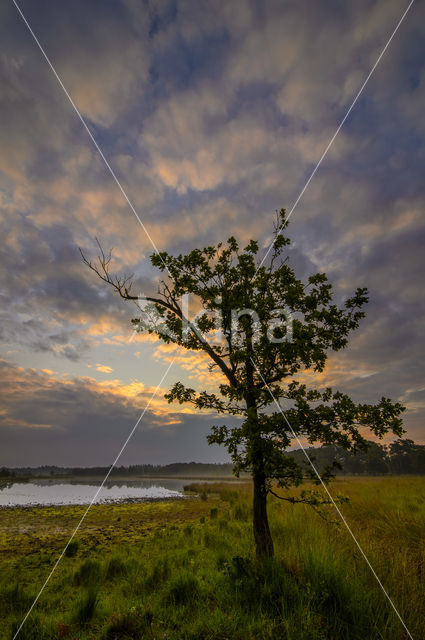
<point>56,491</point>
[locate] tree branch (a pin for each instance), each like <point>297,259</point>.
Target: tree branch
<point>123,287</point>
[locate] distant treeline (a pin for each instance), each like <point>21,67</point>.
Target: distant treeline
<point>178,469</point>
<point>399,457</point>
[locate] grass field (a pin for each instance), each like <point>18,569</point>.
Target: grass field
<point>185,570</point>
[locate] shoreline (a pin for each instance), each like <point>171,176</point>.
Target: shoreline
<point>124,478</point>
<point>106,502</point>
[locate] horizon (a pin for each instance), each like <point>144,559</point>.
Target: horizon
<point>228,463</point>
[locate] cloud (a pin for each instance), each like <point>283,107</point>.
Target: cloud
<point>212,115</point>
<point>47,419</point>
<point>104,368</point>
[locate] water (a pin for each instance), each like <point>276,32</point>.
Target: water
<point>56,491</point>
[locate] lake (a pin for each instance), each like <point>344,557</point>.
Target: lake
<point>56,491</point>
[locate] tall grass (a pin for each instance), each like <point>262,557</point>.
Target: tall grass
<point>199,579</point>
<point>89,573</point>
<point>86,606</point>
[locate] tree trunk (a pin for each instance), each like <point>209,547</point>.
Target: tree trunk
<point>262,535</point>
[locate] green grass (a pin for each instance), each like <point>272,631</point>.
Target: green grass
<point>186,570</point>
<point>86,606</point>
<point>72,549</point>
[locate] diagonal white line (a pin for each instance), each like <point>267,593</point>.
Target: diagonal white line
<point>331,499</point>
<point>93,139</point>
<point>322,157</point>
<point>118,183</point>
<point>130,435</point>
<point>157,251</point>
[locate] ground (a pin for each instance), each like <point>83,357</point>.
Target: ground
<point>185,570</point>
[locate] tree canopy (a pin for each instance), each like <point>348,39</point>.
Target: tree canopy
<point>262,329</point>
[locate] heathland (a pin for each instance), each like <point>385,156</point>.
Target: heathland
<point>185,569</point>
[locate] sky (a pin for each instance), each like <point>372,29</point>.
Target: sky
<point>212,115</point>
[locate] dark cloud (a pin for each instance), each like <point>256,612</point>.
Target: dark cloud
<point>46,420</point>
<point>213,115</point>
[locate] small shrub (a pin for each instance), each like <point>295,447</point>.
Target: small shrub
<point>214,512</point>
<point>127,626</point>
<point>189,557</point>
<point>210,540</point>
<point>188,530</point>
<point>223,524</point>
<point>246,581</point>
<point>182,590</point>
<point>240,512</point>
<point>160,572</point>
<point>116,567</point>
<point>88,573</point>
<point>241,567</point>
<point>86,607</point>
<point>72,549</point>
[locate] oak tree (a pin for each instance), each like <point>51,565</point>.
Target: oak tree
<point>273,328</point>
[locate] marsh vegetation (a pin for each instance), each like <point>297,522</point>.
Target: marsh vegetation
<point>187,569</point>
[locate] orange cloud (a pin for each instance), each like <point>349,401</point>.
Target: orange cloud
<point>104,368</point>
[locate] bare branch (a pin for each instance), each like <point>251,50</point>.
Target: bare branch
<point>122,285</point>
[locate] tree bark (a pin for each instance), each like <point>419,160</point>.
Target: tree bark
<point>262,536</point>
